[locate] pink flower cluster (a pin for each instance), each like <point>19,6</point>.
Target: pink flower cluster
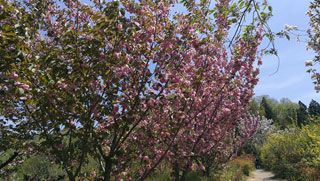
<point>142,85</point>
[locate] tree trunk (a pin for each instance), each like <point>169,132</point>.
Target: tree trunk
<point>207,171</point>
<point>71,176</point>
<point>184,176</point>
<point>107,169</point>
<point>4,164</point>
<point>176,171</point>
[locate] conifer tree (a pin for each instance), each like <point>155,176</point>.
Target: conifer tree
<point>314,108</point>
<point>268,112</point>
<point>302,114</point>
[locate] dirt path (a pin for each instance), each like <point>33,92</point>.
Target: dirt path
<point>261,175</point>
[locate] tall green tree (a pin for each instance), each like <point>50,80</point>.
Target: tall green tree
<point>314,108</point>
<point>286,112</point>
<point>267,109</point>
<point>302,114</point>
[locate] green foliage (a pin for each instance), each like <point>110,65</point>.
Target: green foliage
<point>294,154</point>
<point>267,109</point>
<point>302,114</point>
<point>286,113</point>
<point>254,107</point>
<point>9,159</point>
<point>253,146</point>
<point>40,168</point>
<point>283,112</point>
<point>236,169</point>
<point>164,176</point>
<point>314,108</point>
<point>67,67</point>
<point>245,163</point>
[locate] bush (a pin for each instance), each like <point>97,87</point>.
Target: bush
<point>162,174</point>
<point>38,168</point>
<point>294,154</point>
<point>245,163</point>
<point>254,144</point>
<point>235,170</point>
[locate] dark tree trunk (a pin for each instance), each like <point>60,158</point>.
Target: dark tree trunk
<point>107,169</point>
<point>207,171</point>
<point>71,176</point>
<point>184,176</point>
<point>176,171</point>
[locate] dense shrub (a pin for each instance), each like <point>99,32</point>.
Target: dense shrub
<point>294,154</point>
<point>237,169</point>
<point>38,168</point>
<point>255,143</point>
<point>245,164</point>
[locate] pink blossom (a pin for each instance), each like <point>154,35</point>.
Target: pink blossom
<point>22,85</point>
<point>119,26</point>
<point>14,75</point>
<point>23,98</point>
<point>118,54</point>
<point>115,109</point>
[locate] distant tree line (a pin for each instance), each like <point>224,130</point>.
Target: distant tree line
<point>285,113</point>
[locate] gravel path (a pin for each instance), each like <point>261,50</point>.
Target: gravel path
<point>261,175</point>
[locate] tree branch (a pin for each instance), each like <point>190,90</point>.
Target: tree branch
<point>4,164</point>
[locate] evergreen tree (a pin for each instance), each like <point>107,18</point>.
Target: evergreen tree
<point>314,108</point>
<point>268,112</point>
<point>302,115</point>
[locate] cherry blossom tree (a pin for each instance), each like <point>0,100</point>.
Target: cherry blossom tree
<point>129,82</point>
<point>208,102</point>
<point>314,42</point>
<point>11,36</point>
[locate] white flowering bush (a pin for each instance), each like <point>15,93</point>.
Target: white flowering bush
<point>314,42</point>
<point>255,143</point>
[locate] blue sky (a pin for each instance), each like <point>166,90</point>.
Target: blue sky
<point>291,81</point>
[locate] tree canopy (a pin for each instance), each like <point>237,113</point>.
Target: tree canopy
<point>130,84</point>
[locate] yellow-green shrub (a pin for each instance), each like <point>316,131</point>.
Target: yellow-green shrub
<point>238,168</point>
<point>245,163</point>
<point>294,154</point>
